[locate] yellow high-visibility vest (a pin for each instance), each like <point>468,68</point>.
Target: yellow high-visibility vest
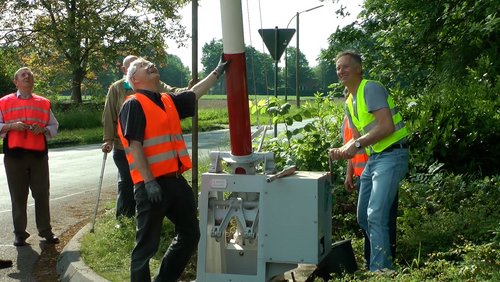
<point>365,121</point>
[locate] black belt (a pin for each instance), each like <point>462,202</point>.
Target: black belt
<point>175,174</point>
<point>396,146</point>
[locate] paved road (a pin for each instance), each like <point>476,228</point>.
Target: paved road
<point>74,175</point>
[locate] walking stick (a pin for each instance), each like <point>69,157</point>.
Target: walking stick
<point>99,191</point>
<point>330,164</point>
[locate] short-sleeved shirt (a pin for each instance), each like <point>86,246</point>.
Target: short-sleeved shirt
<point>375,99</point>
<point>133,119</point>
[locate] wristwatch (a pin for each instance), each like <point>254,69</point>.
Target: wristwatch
<point>357,144</point>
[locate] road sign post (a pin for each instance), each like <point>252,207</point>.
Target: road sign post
<point>276,41</point>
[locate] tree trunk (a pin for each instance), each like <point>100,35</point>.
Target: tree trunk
<point>76,83</point>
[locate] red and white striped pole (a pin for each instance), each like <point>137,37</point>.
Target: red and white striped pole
<point>236,78</point>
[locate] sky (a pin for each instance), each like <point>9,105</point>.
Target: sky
<point>315,26</point>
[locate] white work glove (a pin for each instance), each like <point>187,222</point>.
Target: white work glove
<point>221,67</point>
<point>153,190</point>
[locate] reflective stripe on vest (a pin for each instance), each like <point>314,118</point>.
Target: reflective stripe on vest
<point>161,156</point>
<point>359,160</point>
<point>35,110</point>
<point>365,121</point>
<point>163,144</point>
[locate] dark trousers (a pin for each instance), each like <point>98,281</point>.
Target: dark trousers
<point>392,233</point>
<point>24,173</point>
<point>178,205</point>
<point>125,203</point>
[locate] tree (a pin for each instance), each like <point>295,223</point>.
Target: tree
<point>259,66</point>
<point>307,81</point>
<point>210,56</point>
<point>439,61</point>
<point>326,74</point>
<point>6,73</point>
<point>259,71</point>
<point>86,35</point>
<point>174,73</point>
<point>417,44</point>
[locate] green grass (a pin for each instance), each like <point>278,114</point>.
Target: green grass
<point>74,137</point>
<point>208,119</point>
<point>107,250</point>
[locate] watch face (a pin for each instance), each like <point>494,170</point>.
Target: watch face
<point>357,144</point>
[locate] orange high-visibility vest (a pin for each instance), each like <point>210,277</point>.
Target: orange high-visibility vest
<point>359,160</point>
<point>35,110</point>
<point>163,142</point>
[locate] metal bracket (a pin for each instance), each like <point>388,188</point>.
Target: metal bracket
<point>245,213</point>
<point>249,163</point>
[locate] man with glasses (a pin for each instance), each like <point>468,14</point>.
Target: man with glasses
<point>150,130</point>
<point>118,91</point>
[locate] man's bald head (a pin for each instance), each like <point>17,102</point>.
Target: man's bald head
<point>126,63</point>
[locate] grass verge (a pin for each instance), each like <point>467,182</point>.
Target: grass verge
<point>107,250</point>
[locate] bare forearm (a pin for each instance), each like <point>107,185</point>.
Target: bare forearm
<point>350,169</point>
<point>382,129</point>
<point>5,128</point>
<point>376,134</point>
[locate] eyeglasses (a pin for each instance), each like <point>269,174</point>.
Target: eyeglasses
<point>144,64</point>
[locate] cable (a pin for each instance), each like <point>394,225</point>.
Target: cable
<point>253,64</point>
<point>264,51</point>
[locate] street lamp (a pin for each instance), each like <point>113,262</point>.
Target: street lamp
<point>297,93</point>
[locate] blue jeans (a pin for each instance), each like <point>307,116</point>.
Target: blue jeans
<point>393,215</point>
<point>379,187</point>
<point>178,205</point>
<point>125,203</point>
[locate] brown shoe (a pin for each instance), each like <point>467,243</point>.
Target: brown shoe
<point>51,239</point>
<point>5,263</point>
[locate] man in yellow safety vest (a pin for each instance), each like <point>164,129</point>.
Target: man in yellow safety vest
<point>379,130</point>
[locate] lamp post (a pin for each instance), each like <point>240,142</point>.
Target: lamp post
<point>297,67</point>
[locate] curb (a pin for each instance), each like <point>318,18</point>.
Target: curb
<point>70,267</point>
